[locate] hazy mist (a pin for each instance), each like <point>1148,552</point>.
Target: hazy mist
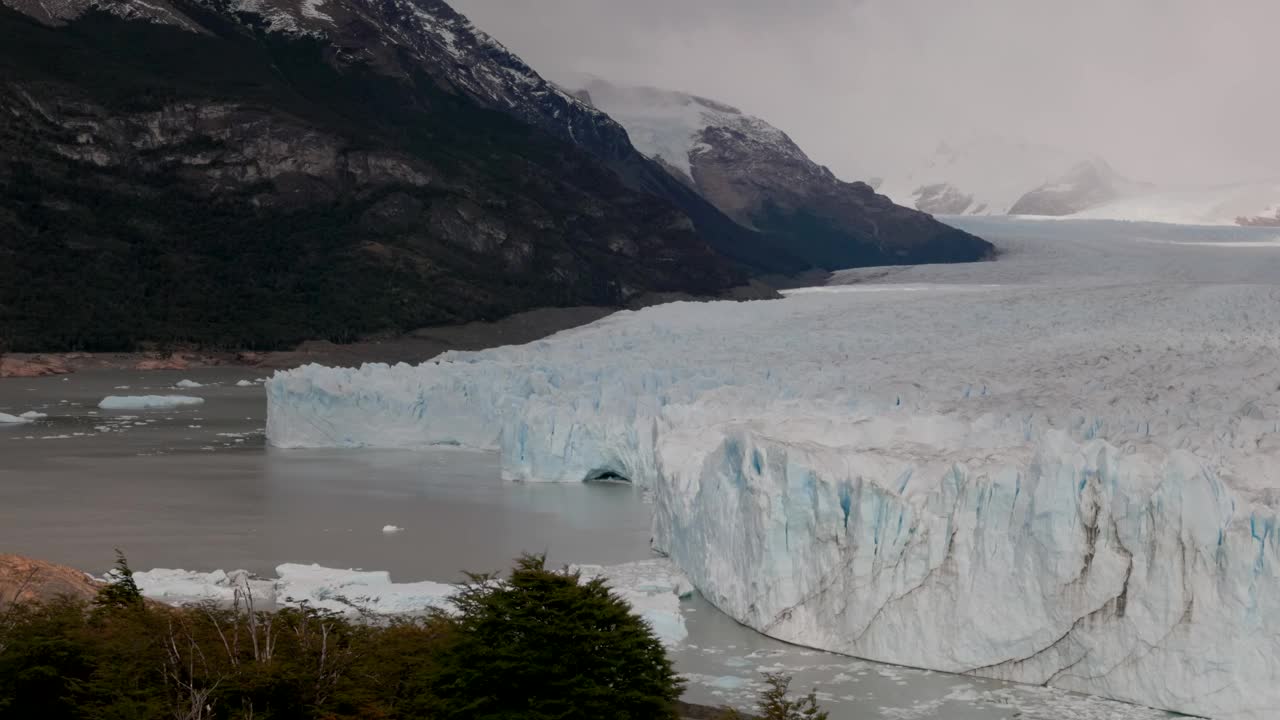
<point>1166,90</point>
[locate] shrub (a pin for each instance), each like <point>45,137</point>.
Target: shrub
<point>773,703</point>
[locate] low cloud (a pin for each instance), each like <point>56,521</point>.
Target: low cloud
<point>1167,90</point>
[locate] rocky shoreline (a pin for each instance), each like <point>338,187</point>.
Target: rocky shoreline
<point>413,347</point>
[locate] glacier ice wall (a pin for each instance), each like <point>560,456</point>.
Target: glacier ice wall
<point>1129,572</point>
<point>1059,468</point>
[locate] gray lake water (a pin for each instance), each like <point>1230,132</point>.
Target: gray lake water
<point>197,488</point>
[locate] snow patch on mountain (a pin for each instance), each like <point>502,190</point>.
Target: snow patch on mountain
<point>669,125</point>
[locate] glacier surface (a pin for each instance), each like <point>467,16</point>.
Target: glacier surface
<point>1058,468</point>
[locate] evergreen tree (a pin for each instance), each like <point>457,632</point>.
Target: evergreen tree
<point>121,591</point>
<point>544,644</point>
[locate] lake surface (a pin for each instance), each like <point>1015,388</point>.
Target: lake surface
<point>196,488</point>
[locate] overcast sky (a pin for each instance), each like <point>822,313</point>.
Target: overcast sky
<point>1166,90</point>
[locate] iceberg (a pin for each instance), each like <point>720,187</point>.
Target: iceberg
<point>653,588</point>
<point>6,418</point>
<point>147,402</point>
<point>187,384</point>
<point>1058,468</point>
<point>343,591</point>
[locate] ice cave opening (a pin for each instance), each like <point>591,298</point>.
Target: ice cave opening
<point>606,475</point>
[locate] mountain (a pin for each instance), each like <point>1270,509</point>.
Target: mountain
<point>756,174</point>
<point>992,176</point>
<point>258,172</point>
<point>1087,185</point>
<point>249,175</point>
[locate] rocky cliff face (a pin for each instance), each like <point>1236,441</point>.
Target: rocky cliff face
<point>756,174</point>
<point>247,175</point>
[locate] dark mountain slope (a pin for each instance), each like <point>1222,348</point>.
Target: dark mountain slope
<point>241,187</point>
<point>757,175</point>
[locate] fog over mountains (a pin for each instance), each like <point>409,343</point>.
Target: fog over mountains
<point>1168,92</point>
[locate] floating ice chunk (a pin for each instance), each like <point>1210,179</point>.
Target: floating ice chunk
<point>147,402</point>
<point>33,415</point>
<point>346,591</point>
<point>729,682</point>
<point>13,419</point>
<point>244,383</point>
<point>188,384</point>
<point>339,590</point>
<point>392,529</point>
<point>176,586</point>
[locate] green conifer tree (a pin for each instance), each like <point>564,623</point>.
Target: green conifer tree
<point>121,591</point>
<point>543,644</point>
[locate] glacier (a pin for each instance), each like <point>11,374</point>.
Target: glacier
<point>1058,468</point>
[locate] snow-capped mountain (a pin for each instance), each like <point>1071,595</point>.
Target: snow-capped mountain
<point>756,174</point>
<point>674,127</point>
<point>990,176</point>
<point>1087,185</point>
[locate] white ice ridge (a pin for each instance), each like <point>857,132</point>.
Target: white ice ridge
<point>653,588</point>
<point>1068,476</point>
<point>147,402</point>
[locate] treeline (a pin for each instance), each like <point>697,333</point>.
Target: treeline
<point>535,645</point>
